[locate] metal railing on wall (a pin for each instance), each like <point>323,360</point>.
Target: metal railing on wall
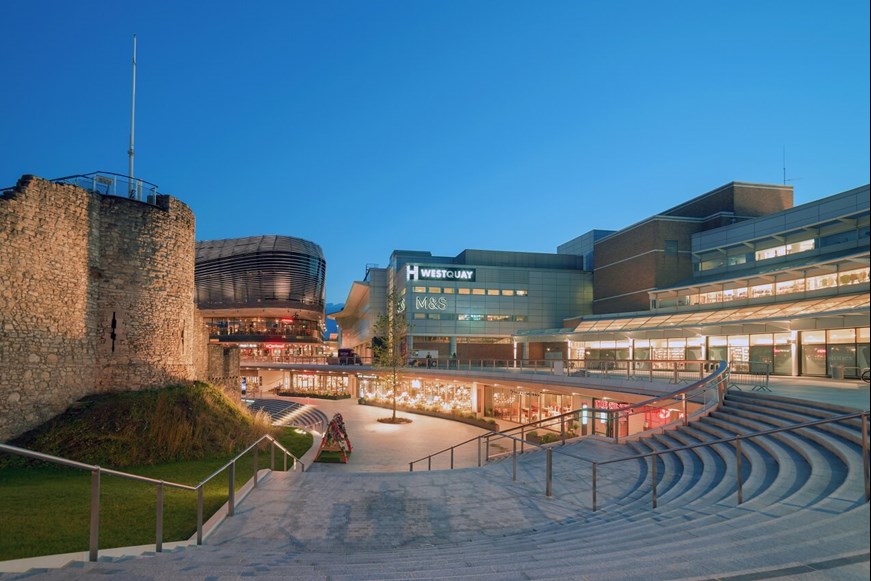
<point>113,184</point>
<point>97,472</point>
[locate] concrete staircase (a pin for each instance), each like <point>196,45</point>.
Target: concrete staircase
<point>289,413</point>
<point>804,514</point>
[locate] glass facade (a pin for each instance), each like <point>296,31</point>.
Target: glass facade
<point>806,352</point>
<point>782,288</point>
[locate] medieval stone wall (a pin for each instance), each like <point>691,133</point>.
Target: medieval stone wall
<point>96,294</point>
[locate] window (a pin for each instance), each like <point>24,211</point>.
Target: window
<point>822,281</point>
<point>419,315</point>
<point>849,277</point>
<point>783,250</point>
<point>507,293</point>
<point>477,291</point>
<point>761,290</point>
<point>448,290</point>
<point>464,291</point>
<point>493,292</point>
<point>435,290</point>
<point>418,289</point>
<point>522,293</point>
<point>789,286</point>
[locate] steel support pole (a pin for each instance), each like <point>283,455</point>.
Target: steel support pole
<point>94,541</point>
<point>653,479</point>
<point>514,462</point>
<point>158,525</point>
<point>549,473</point>
<point>865,457</point>
<point>200,515</point>
<point>231,494</point>
<point>740,483</point>
<point>255,466</point>
<point>594,487</point>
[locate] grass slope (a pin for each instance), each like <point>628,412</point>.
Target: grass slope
<point>184,422</point>
<point>180,434</point>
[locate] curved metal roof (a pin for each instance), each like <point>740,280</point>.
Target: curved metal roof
<point>213,249</point>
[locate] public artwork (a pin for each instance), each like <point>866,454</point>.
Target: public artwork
<point>336,438</point>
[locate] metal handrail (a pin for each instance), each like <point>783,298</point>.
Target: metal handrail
<point>719,378</point>
<point>96,471</point>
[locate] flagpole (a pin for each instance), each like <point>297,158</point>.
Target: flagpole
<point>133,193</point>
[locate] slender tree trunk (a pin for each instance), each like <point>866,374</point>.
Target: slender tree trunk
<point>394,394</point>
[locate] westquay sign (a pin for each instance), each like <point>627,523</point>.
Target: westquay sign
<point>418,272</point>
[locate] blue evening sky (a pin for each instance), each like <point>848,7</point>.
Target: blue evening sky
<point>439,125</point>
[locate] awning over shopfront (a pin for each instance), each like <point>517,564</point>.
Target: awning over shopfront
<point>821,313</point>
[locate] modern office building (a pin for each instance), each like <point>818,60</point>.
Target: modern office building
<point>470,304</point>
<point>787,290</point>
<point>263,293</point>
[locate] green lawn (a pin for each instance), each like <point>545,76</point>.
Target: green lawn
<point>45,510</point>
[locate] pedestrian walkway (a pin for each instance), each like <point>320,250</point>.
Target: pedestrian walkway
<point>381,447</point>
<point>372,514</point>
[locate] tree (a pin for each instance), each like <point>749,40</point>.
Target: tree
<point>388,344</point>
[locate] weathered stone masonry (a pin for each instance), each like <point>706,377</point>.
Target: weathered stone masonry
<point>96,294</point>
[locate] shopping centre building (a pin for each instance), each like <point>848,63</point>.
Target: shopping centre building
<point>737,274</point>
<point>264,294</point>
<point>469,305</point>
<point>785,291</point>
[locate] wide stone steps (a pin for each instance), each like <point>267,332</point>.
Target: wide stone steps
<point>804,513</point>
<point>290,413</point>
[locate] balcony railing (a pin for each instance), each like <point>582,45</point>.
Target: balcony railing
<point>112,184</point>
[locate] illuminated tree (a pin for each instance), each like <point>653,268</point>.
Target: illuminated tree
<point>388,344</point>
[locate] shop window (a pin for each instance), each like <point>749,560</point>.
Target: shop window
<point>761,290</point>
<point>853,277</point>
<point>821,282</point>
<point>813,353</point>
<point>789,286</point>
<point>734,294</point>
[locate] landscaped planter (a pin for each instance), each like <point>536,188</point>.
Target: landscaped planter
<point>480,423</point>
<point>313,395</point>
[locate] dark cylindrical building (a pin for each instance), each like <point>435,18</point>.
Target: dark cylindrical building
<point>264,293</point>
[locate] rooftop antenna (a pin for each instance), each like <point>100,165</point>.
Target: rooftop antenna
<point>784,169</point>
<point>132,124</point>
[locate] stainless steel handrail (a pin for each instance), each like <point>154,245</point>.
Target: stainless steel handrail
<point>97,471</point>
<point>718,379</point>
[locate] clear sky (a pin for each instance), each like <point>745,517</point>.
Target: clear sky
<point>440,125</point>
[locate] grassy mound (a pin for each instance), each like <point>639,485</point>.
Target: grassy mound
<point>184,422</point>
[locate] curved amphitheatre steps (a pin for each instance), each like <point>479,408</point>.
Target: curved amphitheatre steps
<point>289,413</point>
<point>804,509</point>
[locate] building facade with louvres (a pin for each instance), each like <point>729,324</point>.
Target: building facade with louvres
<point>263,293</point>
